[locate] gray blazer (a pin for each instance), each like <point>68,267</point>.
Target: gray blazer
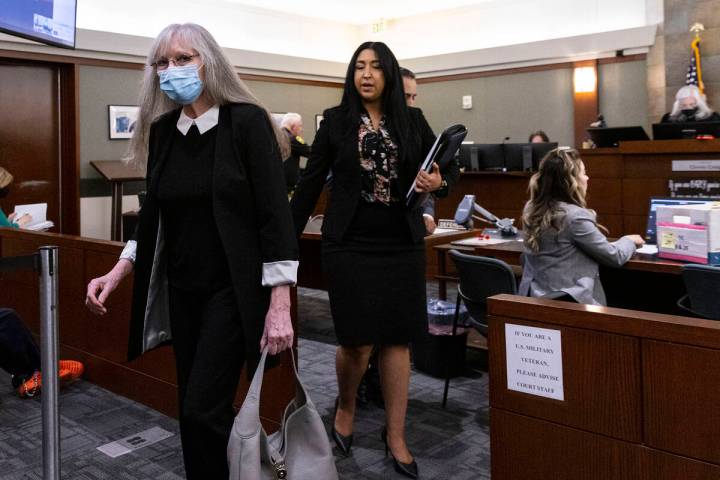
<point>568,259</point>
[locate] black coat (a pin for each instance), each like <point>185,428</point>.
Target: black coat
<point>336,149</point>
<point>250,208</point>
<point>291,164</point>
<point>714,117</point>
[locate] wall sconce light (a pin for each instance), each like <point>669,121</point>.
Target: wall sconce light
<point>585,79</point>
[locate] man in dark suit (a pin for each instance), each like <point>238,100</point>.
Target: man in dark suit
<point>410,87</point>
<point>292,125</point>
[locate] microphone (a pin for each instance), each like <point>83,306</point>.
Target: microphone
<point>505,140</point>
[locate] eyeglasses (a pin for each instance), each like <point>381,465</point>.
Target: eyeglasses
<point>179,61</point>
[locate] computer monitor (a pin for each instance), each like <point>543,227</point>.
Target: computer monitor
<point>651,230</point>
<point>518,156</point>
<point>46,21</point>
<point>478,157</point>
<point>540,150</point>
<point>612,136</point>
<point>525,156</point>
<point>672,131</point>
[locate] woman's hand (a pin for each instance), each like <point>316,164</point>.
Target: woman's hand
<point>278,333</point>
<point>99,289</point>
<point>637,240</point>
<point>428,182</point>
<point>22,220</point>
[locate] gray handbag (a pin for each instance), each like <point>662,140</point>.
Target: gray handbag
<point>298,451</point>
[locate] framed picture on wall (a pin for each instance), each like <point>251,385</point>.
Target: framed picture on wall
<point>318,119</point>
<point>122,120</point>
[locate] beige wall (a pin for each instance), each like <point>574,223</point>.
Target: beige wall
<point>102,86</point>
<point>623,93</point>
<point>505,105</point>
<point>306,100</point>
<point>515,105</point>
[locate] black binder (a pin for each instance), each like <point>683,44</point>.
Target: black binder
<point>442,152</point>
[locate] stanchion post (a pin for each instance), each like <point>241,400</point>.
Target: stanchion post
<point>49,345</point>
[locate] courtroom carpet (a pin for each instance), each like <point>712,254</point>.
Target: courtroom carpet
<point>448,444</point>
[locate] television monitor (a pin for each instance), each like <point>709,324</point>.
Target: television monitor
<point>672,131</point>
<point>46,21</point>
<point>482,156</point>
<point>525,156</point>
<point>651,230</point>
<point>612,136</point>
<point>540,150</point>
<point>518,156</point>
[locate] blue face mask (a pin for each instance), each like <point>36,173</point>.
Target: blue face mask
<point>181,84</point>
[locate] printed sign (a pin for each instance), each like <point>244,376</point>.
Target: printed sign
<point>534,361</point>
<point>668,240</point>
<point>695,165</point>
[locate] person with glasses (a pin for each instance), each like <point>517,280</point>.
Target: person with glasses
<point>564,244</point>
<point>372,244</point>
<point>214,253</point>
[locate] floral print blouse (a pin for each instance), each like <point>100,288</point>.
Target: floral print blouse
<point>379,162</point>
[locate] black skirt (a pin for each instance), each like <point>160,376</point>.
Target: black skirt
<point>376,279</point>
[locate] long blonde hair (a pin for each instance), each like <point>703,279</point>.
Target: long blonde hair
<point>221,85</point>
<point>557,180</point>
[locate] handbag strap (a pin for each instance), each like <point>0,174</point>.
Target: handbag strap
<point>249,415</point>
<point>250,411</point>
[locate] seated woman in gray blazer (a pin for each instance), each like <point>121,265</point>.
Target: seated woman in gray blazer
<point>563,242</point>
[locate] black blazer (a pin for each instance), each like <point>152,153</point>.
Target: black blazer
<point>250,208</point>
<point>336,149</point>
<point>714,117</point>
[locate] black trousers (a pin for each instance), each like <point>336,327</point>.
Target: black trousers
<point>209,355</point>
<point>19,354</point>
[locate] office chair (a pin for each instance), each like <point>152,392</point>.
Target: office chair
<point>702,283</point>
<point>480,278</point>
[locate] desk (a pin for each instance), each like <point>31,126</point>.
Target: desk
<point>640,396</point>
<point>116,172</point>
<point>646,282</point>
<point>622,180</point>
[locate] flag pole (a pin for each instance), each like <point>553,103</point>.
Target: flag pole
<point>697,28</point>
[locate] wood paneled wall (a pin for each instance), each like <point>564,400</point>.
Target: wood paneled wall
<point>640,397</point>
<point>101,342</point>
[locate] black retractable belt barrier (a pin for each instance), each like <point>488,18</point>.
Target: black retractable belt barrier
<point>45,262</point>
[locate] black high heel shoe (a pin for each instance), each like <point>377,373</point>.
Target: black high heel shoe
<point>407,469</point>
<point>344,443</point>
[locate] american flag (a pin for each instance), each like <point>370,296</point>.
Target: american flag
<point>694,73</point>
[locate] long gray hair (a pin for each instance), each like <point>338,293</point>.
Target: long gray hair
<point>703,110</point>
<point>221,86</point>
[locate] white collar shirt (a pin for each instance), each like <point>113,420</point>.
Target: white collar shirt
<point>204,122</point>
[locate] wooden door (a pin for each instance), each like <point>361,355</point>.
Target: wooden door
<point>30,134</point>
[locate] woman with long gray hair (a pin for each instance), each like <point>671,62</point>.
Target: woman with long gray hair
<point>214,253</point>
<point>690,106</point>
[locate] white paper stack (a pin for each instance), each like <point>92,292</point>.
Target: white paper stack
<point>38,212</point>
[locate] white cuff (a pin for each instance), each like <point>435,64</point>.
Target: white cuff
<point>280,273</point>
<point>129,251</point>
<point>429,216</point>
